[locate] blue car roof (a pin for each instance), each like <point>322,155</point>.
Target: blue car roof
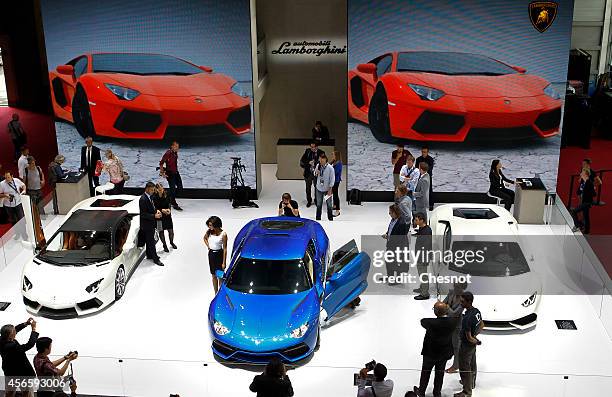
<point>277,238</point>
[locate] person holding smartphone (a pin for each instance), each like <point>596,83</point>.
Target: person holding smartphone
<point>288,207</point>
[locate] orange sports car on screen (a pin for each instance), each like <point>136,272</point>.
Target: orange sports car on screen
<point>451,96</point>
<point>146,96</point>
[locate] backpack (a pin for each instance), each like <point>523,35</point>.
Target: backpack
<point>354,197</point>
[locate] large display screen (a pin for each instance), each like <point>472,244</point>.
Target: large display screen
<point>474,80</point>
<point>137,75</point>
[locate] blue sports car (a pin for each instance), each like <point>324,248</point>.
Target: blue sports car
<point>281,280</point>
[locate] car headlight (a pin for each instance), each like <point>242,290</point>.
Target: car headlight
<point>300,331</point>
<point>123,93</point>
<point>551,92</point>
<point>236,89</point>
<point>426,93</point>
<point>530,301</point>
<point>27,284</point>
<point>93,287</point>
<point>219,328</point>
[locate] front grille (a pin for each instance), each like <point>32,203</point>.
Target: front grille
<point>295,351</point>
<point>199,131</point>
<point>438,123</point>
<point>90,304</point>
<point>30,303</point>
<point>497,324</point>
<point>241,117</point>
<point>58,313</point>
<point>526,320</point>
<point>223,348</point>
<point>549,120</point>
<point>500,134</point>
<point>131,121</point>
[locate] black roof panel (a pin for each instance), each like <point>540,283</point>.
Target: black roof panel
<point>92,220</point>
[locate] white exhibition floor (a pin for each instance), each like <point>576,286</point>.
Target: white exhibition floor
<point>155,340</point>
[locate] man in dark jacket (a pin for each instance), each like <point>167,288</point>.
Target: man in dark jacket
<point>90,155</point>
<point>148,222</point>
<point>397,237</point>
<point>426,158</point>
<point>320,132</point>
<point>274,381</point>
<point>308,162</point>
<point>423,245</point>
<point>586,192</point>
<point>15,363</point>
<point>437,348</point>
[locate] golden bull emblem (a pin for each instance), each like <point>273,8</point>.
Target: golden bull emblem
<point>542,14</point>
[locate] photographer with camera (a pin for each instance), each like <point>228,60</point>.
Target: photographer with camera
<point>288,207</point>
<point>15,363</point>
<point>50,369</point>
<point>11,190</point>
<point>380,387</point>
<point>274,381</point>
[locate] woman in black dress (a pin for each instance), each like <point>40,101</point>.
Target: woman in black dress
<point>497,187</point>
<point>162,203</point>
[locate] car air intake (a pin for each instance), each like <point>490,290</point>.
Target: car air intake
<point>281,225</point>
<point>241,117</point>
<point>131,121</point>
<point>549,121</point>
<point>90,304</point>
<point>438,123</point>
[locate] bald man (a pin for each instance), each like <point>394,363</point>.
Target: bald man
<point>437,348</point>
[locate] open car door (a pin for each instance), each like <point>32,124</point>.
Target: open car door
<point>346,278</point>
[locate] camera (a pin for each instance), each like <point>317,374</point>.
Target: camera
<point>370,366</point>
<point>11,197</point>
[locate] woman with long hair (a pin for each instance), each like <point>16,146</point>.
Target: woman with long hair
<point>161,200</point>
<point>497,187</point>
<point>336,162</point>
<point>273,381</point>
<point>114,167</point>
<point>215,240</point>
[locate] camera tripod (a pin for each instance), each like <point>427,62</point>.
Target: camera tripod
<point>236,178</point>
<point>239,193</point>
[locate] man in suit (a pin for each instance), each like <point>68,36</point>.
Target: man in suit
<point>586,192</point>
<point>148,222</point>
<point>308,162</point>
<point>421,192</point>
<point>15,363</point>
<point>437,348</point>
<point>397,237</point>
<point>90,155</point>
<point>423,244</point>
<point>426,158</point>
<point>320,132</point>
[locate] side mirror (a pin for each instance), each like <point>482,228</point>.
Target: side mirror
<point>368,68</point>
<point>67,70</point>
<point>220,274</point>
<point>519,69</point>
<point>207,69</point>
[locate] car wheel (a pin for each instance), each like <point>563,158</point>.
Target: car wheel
<point>81,113</point>
<point>120,281</point>
<point>378,116</point>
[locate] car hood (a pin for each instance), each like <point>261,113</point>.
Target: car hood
<point>200,84</point>
<point>62,281</point>
<point>263,317</point>
<point>504,86</point>
<point>519,285</point>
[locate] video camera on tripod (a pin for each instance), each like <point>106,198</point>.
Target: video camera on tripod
<point>240,195</point>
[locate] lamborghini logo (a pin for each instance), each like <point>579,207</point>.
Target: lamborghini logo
<point>542,14</point>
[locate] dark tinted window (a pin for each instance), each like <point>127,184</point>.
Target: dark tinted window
<point>474,213</point>
<point>78,248</point>
<point>453,63</point>
<point>80,66</point>
<point>383,65</point>
<point>501,259</point>
<point>109,203</point>
<point>143,64</point>
<point>281,225</point>
<point>269,277</point>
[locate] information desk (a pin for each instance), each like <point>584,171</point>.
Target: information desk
<point>529,200</point>
<point>288,154</point>
<point>71,190</point>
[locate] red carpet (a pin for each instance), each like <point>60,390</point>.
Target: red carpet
<point>570,160</point>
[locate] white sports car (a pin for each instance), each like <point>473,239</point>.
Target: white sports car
<point>86,264</point>
<point>506,290</point>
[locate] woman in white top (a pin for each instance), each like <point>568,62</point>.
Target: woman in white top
<point>216,242</point>
<point>114,167</point>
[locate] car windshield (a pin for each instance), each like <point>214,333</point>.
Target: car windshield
<point>269,277</point>
<point>78,248</point>
<point>451,63</point>
<point>500,259</point>
<point>142,64</point>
